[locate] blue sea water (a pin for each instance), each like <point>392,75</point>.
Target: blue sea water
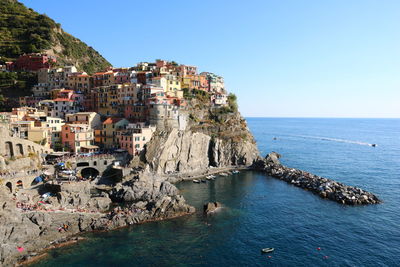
<point>260,211</point>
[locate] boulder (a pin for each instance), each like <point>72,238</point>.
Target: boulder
<point>211,207</point>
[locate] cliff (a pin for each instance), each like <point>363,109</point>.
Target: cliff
<point>215,137</point>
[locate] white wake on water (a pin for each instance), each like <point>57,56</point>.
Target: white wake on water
<point>334,140</point>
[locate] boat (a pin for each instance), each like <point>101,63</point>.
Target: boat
<point>223,174</point>
<point>267,250</point>
<point>196,181</point>
<point>235,172</point>
<point>373,145</point>
<point>203,181</point>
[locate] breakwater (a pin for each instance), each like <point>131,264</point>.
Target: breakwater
<point>324,187</point>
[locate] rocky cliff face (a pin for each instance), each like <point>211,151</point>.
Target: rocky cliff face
<point>211,139</point>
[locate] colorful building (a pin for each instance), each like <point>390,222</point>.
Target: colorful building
<point>32,62</point>
<point>133,140</point>
<point>92,119</point>
<point>80,82</point>
<point>106,137</point>
<point>74,137</point>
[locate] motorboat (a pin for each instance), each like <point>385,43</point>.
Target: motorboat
<point>373,145</point>
<point>235,172</point>
<point>267,250</point>
<point>196,181</point>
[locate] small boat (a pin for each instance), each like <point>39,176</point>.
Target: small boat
<point>223,174</point>
<point>209,177</point>
<point>203,181</point>
<point>235,172</point>
<point>196,181</point>
<point>274,138</point>
<point>267,250</point>
<point>373,145</point>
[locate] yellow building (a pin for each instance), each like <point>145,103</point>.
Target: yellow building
<point>79,82</point>
<point>106,100</point>
<point>40,135</point>
<point>173,86</point>
<point>106,138</point>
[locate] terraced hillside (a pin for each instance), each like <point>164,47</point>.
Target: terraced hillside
<point>22,30</point>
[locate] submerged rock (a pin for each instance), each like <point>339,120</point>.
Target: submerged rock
<point>211,207</point>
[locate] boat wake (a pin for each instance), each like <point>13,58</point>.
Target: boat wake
<point>335,140</point>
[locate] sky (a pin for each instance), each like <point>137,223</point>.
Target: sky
<point>292,58</point>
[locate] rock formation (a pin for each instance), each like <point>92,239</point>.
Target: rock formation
<point>211,207</point>
<point>82,207</point>
<point>211,140</point>
<point>325,188</point>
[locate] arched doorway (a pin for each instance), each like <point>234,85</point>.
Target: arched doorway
<point>20,149</point>
<point>9,149</point>
<point>9,185</point>
<point>89,173</point>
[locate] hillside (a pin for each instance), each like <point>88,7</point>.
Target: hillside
<point>22,30</point>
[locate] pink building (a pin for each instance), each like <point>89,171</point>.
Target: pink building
<point>133,140</point>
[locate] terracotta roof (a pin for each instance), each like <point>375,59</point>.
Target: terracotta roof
<point>112,120</point>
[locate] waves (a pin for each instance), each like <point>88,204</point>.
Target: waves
<point>334,140</point>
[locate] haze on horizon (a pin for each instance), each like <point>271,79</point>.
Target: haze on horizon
<point>282,59</point>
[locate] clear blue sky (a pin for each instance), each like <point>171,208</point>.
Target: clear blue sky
<point>287,58</point>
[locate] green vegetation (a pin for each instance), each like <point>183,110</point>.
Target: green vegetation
<point>202,96</point>
<point>16,84</point>
<point>232,102</point>
<point>23,30</point>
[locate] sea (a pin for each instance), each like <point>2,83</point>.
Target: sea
<point>260,211</point>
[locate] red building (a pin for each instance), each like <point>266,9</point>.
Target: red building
<point>32,62</point>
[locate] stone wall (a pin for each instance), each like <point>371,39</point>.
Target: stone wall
<point>17,147</point>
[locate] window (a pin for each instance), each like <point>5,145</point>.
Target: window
<point>105,162</point>
<point>137,146</point>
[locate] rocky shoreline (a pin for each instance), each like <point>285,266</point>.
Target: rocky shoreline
<point>28,231</point>
<point>324,187</point>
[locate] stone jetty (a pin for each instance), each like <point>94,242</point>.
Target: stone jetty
<point>324,187</point>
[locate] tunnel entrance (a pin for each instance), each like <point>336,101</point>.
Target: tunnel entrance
<point>89,173</point>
